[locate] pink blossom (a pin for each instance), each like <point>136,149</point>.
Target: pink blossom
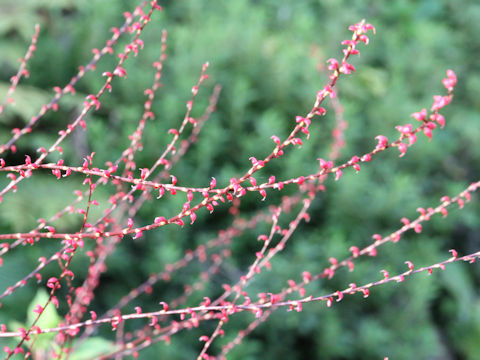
<point>325,165</point>
<point>420,116</point>
<point>405,130</point>
<point>450,81</point>
<point>439,102</point>
<point>347,68</point>
<point>355,251</point>
<point>92,101</point>
<point>338,174</point>
<point>439,118</point>
<point>402,147</point>
<point>333,64</point>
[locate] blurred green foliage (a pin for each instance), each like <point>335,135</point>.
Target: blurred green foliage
<point>265,56</point>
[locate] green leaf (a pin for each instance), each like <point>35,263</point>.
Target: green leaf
<point>49,318</point>
<point>92,348</point>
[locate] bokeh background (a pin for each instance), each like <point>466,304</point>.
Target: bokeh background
<point>266,56</point>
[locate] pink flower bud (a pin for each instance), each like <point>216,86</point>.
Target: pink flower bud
<point>263,193</point>
<point>421,115</point>
<point>306,277</point>
<point>428,132</point>
<point>165,305</point>
<point>213,183</point>
<point>160,220</point>
<point>53,283</point>
<point>365,292</point>
<point>366,158</point>
<point>333,64</point>
<point>329,301</point>
<point>444,212</point>
<point>382,141</point>
<point>412,139</point>
<point>338,174</point>
<point>364,38</point>
<point>405,130</point>
<point>402,147</point>
<point>377,237</point>
<point>275,139</point>
<point>439,102</point>
<point>385,273</point>
<point>355,251</point>
<point>325,165</point>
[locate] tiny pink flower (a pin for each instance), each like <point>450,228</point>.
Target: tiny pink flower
<point>377,237</point>
<point>213,183</point>
<point>365,292</point>
<point>333,64</point>
<point>382,141</point>
<point>325,165</point>
<point>412,139</point>
<point>347,68</point>
<point>402,147</point>
<point>439,118</point>
<point>306,277</point>
<point>450,81</point>
<point>366,158</point>
<point>355,251</point>
<point>160,220</point>
<point>263,193</point>
<point>428,132</point>
<point>364,38</point>
<point>91,100</point>
<point>420,116</point>
<point>52,283</point>
<point>119,71</point>
<point>275,139</point>
<point>329,301</point>
<point>350,42</point>
<point>444,212</point>
<point>338,174</point>
<point>385,273</point>
<point>405,130</point>
<point>439,102</point>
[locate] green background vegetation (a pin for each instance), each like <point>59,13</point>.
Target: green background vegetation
<point>265,56</point>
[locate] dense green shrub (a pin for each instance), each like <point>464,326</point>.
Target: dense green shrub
<point>270,59</point>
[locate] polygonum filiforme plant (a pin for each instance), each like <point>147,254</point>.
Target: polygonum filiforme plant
<point>98,236</point>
